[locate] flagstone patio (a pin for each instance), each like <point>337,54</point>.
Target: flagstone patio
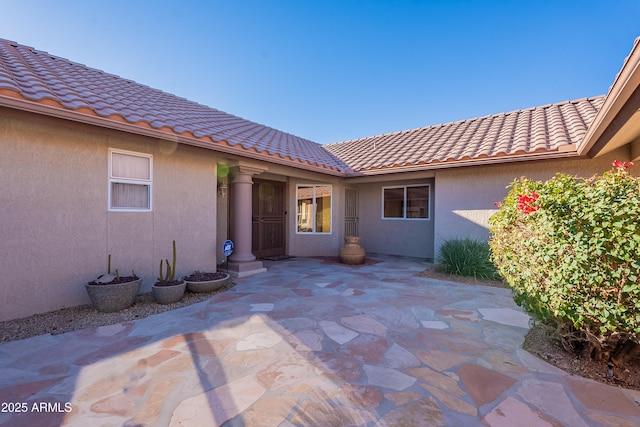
<point>309,344</point>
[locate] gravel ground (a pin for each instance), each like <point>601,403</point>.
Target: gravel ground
<point>85,316</point>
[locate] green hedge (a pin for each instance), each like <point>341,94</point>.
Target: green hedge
<point>569,248</point>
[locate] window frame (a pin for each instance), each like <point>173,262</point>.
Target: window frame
<point>314,210</point>
<point>404,204</point>
<point>124,180</point>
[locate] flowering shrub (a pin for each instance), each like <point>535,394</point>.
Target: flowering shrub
<point>569,248</point>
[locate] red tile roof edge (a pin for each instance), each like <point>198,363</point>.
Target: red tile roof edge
<point>552,129</point>
<point>124,126</point>
<point>39,82</point>
<point>473,119</point>
<point>478,161</point>
<point>30,81</point>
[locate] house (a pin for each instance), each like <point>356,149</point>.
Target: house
<point>92,164</point>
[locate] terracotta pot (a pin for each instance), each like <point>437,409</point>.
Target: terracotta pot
<point>208,286</point>
<point>352,253</point>
<point>168,294</point>
<point>109,298</point>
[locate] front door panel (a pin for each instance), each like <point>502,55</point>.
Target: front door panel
<point>268,219</point>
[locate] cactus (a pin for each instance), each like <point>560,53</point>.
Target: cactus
<point>171,268</point>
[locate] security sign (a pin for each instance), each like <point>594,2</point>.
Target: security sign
<point>227,248</point>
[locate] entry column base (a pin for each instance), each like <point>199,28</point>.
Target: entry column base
<point>243,269</point>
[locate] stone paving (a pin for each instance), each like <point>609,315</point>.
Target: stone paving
<point>309,344</point>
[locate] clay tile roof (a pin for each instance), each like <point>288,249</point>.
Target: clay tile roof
<point>37,78</point>
<point>532,130</point>
<point>40,78</point>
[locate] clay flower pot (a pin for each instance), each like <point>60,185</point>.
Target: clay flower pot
<point>352,253</point>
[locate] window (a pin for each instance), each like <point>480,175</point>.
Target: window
<point>407,202</point>
<point>313,208</point>
<point>129,181</point>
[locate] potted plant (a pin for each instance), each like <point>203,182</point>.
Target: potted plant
<point>201,281</point>
<point>111,292</point>
<point>167,290</point>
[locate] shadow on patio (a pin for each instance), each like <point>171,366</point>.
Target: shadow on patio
<point>308,343</point>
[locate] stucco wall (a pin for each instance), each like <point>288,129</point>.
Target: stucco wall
<point>465,196</point>
<point>393,236</point>
<point>55,225</point>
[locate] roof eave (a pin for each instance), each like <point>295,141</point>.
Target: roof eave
<point>37,108</point>
<point>620,105</point>
<point>562,153</point>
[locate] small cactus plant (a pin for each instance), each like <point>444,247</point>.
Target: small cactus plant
<point>110,277</point>
<point>167,290</point>
<point>171,268</point>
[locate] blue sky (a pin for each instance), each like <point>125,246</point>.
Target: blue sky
<point>336,70</point>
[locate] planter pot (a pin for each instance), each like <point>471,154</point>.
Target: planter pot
<point>168,294</point>
<point>207,286</point>
<point>112,297</point>
<point>352,253</point>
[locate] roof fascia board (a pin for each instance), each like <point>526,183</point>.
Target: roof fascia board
<point>607,140</point>
<point>33,107</point>
<point>635,150</point>
<point>624,86</point>
<point>472,162</point>
<point>392,177</point>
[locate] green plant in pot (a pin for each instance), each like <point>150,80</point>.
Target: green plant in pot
<point>168,290</point>
<point>112,292</point>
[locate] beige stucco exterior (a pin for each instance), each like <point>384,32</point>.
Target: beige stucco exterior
<point>465,196</point>
<point>57,229</point>
<point>407,237</point>
<point>55,224</point>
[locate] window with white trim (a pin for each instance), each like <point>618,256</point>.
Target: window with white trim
<point>313,209</point>
<point>405,202</point>
<point>130,176</point>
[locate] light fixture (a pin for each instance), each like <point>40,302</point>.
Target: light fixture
<point>222,188</point>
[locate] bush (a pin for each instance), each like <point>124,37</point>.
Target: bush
<point>569,249</point>
<point>466,257</point>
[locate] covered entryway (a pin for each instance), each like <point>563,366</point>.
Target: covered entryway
<point>268,218</point>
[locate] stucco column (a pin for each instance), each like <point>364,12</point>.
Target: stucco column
<point>242,262</point>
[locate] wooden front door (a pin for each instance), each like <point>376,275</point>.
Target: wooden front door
<point>268,218</point>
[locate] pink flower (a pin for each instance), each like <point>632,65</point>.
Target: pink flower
<point>620,165</point>
<point>525,203</point>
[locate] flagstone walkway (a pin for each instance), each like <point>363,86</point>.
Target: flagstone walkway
<point>309,344</point>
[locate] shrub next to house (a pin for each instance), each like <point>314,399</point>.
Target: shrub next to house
<point>569,248</point>
<point>466,257</point>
